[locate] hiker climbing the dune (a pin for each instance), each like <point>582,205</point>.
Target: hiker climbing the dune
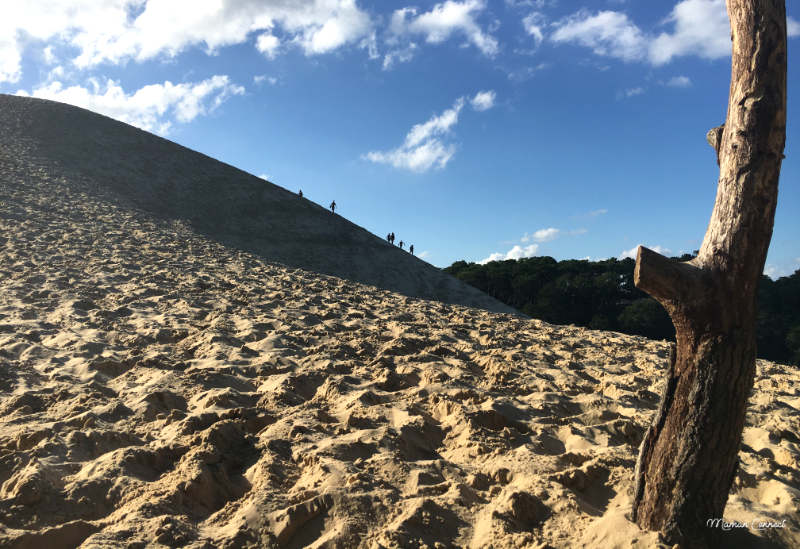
<point>401,244</point>
<point>411,249</point>
<point>391,238</point>
<point>333,207</point>
<point>300,193</point>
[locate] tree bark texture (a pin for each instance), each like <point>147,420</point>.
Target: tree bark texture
<point>688,458</point>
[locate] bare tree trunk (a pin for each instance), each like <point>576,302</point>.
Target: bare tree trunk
<point>688,458</point>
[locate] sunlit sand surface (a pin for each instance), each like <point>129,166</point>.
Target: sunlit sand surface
<point>164,381</point>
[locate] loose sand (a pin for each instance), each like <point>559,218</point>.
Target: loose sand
<point>164,381</point>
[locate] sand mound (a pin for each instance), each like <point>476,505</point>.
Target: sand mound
<point>159,387</point>
<point>62,149</point>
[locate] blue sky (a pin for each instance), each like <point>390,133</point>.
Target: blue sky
<point>473,129</point>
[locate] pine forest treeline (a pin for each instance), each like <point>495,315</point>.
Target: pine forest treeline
<point>601,295</point>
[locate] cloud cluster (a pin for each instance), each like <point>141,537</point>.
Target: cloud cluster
<point>528,249</point>
<point>89,32</point>
<point>117,30</point>
<point>402,54</point>
<point>423,147</point>
<point>517,252</point>
<point>699,27</point>
<point>151,107</point>
<point>444,20</point>
<point>534,24</point>
<point>607,33</point>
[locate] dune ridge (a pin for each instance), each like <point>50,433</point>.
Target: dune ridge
<point>123,165</point>
<point>161,385</point>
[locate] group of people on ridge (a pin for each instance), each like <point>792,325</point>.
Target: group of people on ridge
<point>390,240</point>
<point>389,237</point>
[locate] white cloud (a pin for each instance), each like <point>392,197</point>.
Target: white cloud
<point>607,33</point>
<point>483,101</point>
<point>48,56</point>
<point>346,23</point>
<point>437,125</point>
<point>542,235</point>
<point>496,256</point>
<point>261,78</point>
<point>424,255</point>
<point>700,27</point>
<point>420,158</point>
<point>399,55</point>
<point>629,253</point>
<point>370,43</point>
<point>10,56</point>
<point>546,235</point>
<point>775,272</point>
<point>534,25</point>
<point>264,176</point>
<point>517,252</point>
<point>530,3</point>
<point>526,73</point>
<point>632,252</point>
<point>442,21</point>
<point>55,73</point>
<point>268,44</point>
<point>34,21</point>
<point>679,82</point>
<point>117,30</point>
<point>152,107</point>
<point>632,92</point>
<point>423,148</point>
<point>792,27</point>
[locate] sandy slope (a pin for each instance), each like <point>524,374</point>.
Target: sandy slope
<point>161,387</point>
<point>126,166</point>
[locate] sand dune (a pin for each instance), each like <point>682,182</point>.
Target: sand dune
<point>117,163</point>
<point>170,378</point>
